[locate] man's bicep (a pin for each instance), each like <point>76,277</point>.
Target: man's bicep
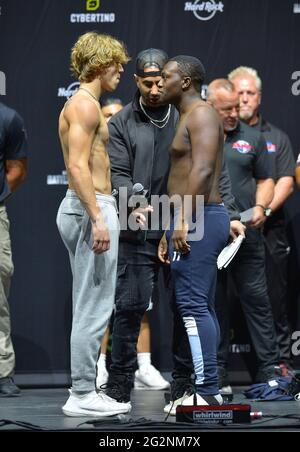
<point>80,140</point>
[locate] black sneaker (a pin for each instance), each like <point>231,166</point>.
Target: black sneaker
<point>271,373</point>
<point>180,389</point>
<point>118,388</point>
<point>8,388</point>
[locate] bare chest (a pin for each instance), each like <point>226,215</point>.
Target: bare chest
<point>181,145</point>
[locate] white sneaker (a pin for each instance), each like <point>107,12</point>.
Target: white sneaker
<point>149,378</point>
<point>102,374</point>
<point>93,404</point>
<point>226,390</point>
<point>226,393</point>
<point>170,408</point>
<point>203,400</point>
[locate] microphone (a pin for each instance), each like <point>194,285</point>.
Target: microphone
<point>138,197</point>
<point>138,189</point>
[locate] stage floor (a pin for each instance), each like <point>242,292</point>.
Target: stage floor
<point>42,409</point>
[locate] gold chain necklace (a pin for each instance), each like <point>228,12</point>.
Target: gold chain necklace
<point>84,89</point>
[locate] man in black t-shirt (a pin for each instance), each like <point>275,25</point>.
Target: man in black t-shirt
<point>248,85</point>
<point>13,162</point>
<point>251,171</point>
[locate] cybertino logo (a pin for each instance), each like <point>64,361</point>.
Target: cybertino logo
<point>92,5</point>
<point>91,16</point>
<point>2,84</point>
<point>204,10</point>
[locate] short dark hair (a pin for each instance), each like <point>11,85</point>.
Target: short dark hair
<point>150,58</point>
<point>190,66</point>
<point>111,101</point>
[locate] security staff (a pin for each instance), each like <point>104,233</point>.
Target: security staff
<point>250,169</point>
<point>248,84</point>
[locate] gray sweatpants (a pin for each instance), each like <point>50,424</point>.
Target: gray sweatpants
<point>94,283</point>
<point>7,354</point>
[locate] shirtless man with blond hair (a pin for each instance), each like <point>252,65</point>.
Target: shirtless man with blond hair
<point>87,217</point>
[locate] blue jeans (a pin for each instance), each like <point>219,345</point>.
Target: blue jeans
<point>194,277</point>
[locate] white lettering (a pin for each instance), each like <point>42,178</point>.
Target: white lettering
<point>240,348</point>
<point>296,84</point>
<point>296,344</point>
<point>2,84</point>
<point>296,8</point>
<point>57,179</point>
<point>92,18</point>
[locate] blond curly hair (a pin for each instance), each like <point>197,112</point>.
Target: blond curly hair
<point>93,52</point>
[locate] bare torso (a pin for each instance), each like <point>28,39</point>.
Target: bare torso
<point>99,164</point>
<point>182,163</point>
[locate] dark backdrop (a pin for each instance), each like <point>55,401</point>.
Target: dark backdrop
<point>35,41</point>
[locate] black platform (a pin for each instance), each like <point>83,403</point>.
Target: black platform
<point>42,409</point>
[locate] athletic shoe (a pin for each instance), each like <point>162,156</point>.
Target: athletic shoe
<point>149,378</point>
<point>200,400</point>
<point>180,389</point>
<point>118,387</point>
<point>8,388</point>
<point>224,385</point>
<point>226,393</point>
<point>93,404</point>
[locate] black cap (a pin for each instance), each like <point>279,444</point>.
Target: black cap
<point>150,58</point>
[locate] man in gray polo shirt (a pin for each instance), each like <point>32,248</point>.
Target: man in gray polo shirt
<point>248,85</point>
<point>251,171</point>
